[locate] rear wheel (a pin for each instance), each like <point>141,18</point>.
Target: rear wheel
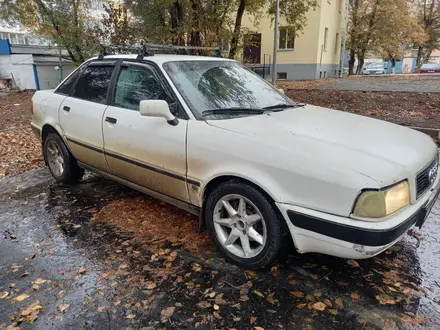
<point>244,225</point>
<point>61,163</point>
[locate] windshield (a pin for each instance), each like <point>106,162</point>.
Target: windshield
<point>213,86</point>
<point>375,66</point>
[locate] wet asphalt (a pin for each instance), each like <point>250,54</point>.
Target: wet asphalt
<point>84,275</point>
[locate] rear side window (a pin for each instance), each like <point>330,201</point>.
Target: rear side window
<point>93,84</point>
<point>137,82</point>
<point>67,85</point>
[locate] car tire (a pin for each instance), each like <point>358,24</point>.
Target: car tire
<point>62,165</point>
<point>272,229</point>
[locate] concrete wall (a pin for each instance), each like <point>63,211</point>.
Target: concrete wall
<point>18,68</point>
<point>308,71</point>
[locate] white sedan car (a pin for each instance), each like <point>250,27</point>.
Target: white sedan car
<point>211,137</point>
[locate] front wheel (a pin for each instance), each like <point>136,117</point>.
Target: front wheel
<point>244,225</point>
<point>61,163</point>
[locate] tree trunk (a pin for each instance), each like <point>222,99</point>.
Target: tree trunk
<point>237,28</point>
<point>360,63</point>
<point>176,23</point>
<point>351,62</point>
<point>195,35</point>
<point>393,65</point>
<point>419,57</point>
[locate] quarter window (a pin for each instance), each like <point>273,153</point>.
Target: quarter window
<point>66,86</point>
<point>137,82</point>
<point>93,84</point>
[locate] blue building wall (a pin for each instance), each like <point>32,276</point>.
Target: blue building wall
<point>5,47</point>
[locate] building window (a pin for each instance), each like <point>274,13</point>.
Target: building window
<point>286,38</point>
<point>282,75</point>
<point>325,38</point>
<point>336,43</point>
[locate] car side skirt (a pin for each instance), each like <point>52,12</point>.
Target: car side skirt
<point>168,199</point>
<point>361,236</point>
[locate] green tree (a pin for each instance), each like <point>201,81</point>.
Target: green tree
<point>65,22</point>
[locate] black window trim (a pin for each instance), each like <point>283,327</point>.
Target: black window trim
<point>160,77</point>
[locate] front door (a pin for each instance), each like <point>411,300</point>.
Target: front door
<point>81,114</point>
<point>144,150</point>
<point>252,48</point>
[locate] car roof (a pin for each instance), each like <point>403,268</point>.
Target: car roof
<point>163,58</point>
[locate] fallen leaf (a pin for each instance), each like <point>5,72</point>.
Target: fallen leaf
<point>258,328</point>
<point>61,294</point>
<point>297,294</point>
<point>328,302</point>
<point>355,296</point>
<point>39,280</point>
<point>63,307</point>
<point>204,304</point>
<point>102,308</point>
<point>117,303</point>
<point>317,294</point>
<point>333,311</point>
<point>437,300</point>
<point>82,270</point>
<point>352,263</point>
<point>217,315</point>
<point>21,297</point>
<point>216,307</point>
<point>292,282</point>
<point>244,298</point>
<point>35,286</point>
<point>319,306</point>
<point>385,299</point>
<point>196,268</point>
<point>339,303</point>
<point>301,306</point>
<point>270,300</point>
<point>4,295</point>
<point>24,274</point>
<point>219,299</point>
<point>130,316</point>
<point>258,293</point>
<point>310,297</point>
<point>150,285</point>
<point>253,319</point>
<point>315,277</point>
<point>166,313</point>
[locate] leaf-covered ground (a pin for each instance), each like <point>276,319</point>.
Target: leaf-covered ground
<point>99,255</point>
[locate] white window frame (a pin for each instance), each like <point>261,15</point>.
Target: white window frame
<point>287,38</point>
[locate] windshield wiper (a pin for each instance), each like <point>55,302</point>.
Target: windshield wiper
<point>233,111</point>
<point>282,106</point>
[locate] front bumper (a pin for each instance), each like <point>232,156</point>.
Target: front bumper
<point>314,231</point>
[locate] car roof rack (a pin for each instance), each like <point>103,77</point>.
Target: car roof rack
<point>149,49</point>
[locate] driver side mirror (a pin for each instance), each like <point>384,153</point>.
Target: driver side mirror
<point>157,108</point>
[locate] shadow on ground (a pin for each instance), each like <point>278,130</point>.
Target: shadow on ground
<point>99,255</point>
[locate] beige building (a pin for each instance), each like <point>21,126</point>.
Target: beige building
<point>312,54</point>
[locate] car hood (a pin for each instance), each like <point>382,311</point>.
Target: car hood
<point>384,152</point>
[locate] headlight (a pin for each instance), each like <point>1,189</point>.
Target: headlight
<point>381,203</point>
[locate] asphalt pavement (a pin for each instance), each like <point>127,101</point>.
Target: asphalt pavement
<point>61,269</point>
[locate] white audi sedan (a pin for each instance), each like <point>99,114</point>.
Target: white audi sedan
<point>260,170</point>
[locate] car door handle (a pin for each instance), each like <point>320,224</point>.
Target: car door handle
<point>66,108</point>
<point>111,120</point>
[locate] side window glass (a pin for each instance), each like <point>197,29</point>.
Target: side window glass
<point>67,85</point>
<point>136,83</point>
<point>93,84</point>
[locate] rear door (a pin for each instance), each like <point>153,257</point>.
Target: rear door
<point>145,150</point>
<point>81,114</point>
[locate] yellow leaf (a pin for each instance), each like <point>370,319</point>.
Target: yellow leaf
<point>319,306</point>
<point>21,297</point>
<point>317,294</point>
<point>130,316</point>
<point>216,307</point>
<point>63,307</point>
<point>301,306</point>
<point>197,268</point>
<point>102,308</point>
<point>166,313</point>
<point>385,300</point>
<point>297,294</point>
<point>4,295</point>
<point>333,311</point>
<point>258,328</point>
<point>328,302</point>
<point>339,303</point>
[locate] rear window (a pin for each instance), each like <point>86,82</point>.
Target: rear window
<point>93,84</point>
